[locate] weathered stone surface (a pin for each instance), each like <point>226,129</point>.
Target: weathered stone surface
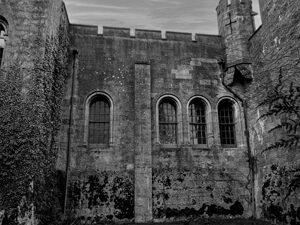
<point>246,71</point>
<point>273,48</point>
<point>143,138</point>
<point>37,31</point>
<point>102,196</point>
<point>108,64</point>
<point>235,26</point>
<point>134,176</point>
<point>229,75</point>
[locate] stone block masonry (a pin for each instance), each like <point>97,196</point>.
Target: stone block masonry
<point>136,73</point>
<point>134,175</point>
<point>143,147</point>
<point>148,34</point>
<point>274,47</point>
<point>102,196</point>
<point>116,31</point>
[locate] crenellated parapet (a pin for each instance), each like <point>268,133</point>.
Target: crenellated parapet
<point>206,39</point>
<point>83,29</point>
<point>116,31</point>
<point>148,34</point>
<point>177,36</point>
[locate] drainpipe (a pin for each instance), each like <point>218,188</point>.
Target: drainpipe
<point>247,134</point>
<point>69,146</point>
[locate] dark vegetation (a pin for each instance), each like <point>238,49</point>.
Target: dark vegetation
<point>282,184</point>
<point>115,191</point>
<point>283,101</point>
<point>208,221</point>
<point>198,221</point>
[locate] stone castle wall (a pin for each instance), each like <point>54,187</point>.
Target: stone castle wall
<point>135,176</point>
<point>34,64</point>
<point>163,182</point>
<point>274,48</point>
<point>30,22</point>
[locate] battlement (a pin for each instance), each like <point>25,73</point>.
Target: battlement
<point>206,39</point>
<point>84,29</point>
<point>148,34</point>
<point>116,31</point>
<point>177,36</point>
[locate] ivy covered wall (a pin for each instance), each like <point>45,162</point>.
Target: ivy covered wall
<point>30,99</point>
<point>275,51</point>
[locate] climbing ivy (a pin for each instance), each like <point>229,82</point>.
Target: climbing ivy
<point>283,101</point>
<point>283,182</point>
<point>30,102</point>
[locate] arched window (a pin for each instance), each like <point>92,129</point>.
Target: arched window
<point>197,121</point>
<point>3,34</point>
<point>167,121</point>
<point>227,123</point>
<point>99,120</point>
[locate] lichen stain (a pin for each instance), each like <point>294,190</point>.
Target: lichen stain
<point>279,201</point>
<point>96,194</point>
<point>226,199</point>
<point>210,210</point>
<point>109,194</point>
<point>223,200</point>
<point>123,190</point>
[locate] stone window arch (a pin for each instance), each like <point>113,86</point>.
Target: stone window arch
<point>3,36</point>
<point>169,120</point>
<point>98,119</point>
<point>229,121</point>
<point>200,120</point>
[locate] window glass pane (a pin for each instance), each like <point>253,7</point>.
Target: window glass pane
<point>167,122</point>
<point>1,54</point>
<point>2,29</point>
<point>2,41</point>
<point>99,120</point>
<point>197,122</point>
<point>227,123</point>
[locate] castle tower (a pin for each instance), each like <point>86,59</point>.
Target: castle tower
<point>236,25</point>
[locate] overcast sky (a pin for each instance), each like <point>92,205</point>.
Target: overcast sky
<point>195,16</point>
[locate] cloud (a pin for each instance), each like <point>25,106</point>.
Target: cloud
<point>196,16</point>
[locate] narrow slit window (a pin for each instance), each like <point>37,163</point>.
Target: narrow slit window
<point>197,121</point>
<point>99,120</point>
<point>167,121</point>
<point>227,123</point>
